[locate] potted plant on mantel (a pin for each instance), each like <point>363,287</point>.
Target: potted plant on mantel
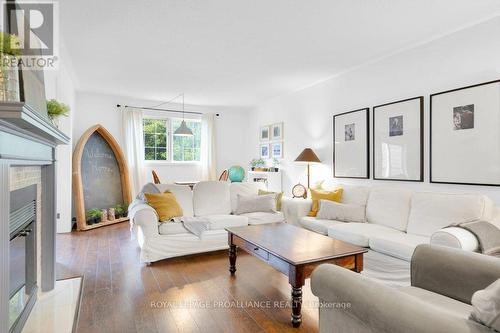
<point>55,110</point>
<point>120,211</point>
<point>9,68</point>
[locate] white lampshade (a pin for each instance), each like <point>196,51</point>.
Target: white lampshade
<point>183,130</point>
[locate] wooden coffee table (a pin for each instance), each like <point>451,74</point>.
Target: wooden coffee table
<point>293,251</point>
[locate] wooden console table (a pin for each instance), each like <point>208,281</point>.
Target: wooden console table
<point>293,251</point>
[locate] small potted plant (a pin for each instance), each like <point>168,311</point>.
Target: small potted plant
<point>55,110</point>
<point>276,164</point>
<point>93,216</point>
<point>10,51</point>
<point>120,211</point>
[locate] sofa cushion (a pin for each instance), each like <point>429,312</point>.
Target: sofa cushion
<point>440,302</point>
<point>433,211</point>
<point>172,228</point>
<point>183,194</point>
<point>221,221</point>
<point>400,245</point>
<point>355,195</point>
<point>264,217</point>
<point>389,207</point>
<point>255,203</point>
<point>245,189</point>
<point>317,195</point>
<point>359,233</point>
<point>317,225</point>
<point>331,210</point>
<point>211,198</point>
<point>165,204</point>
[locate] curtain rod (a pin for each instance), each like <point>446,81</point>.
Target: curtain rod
<point>156,109</point>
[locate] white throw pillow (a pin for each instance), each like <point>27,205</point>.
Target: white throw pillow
<point>331,210</point>
<point>486,306</point>
<point>255,203</point>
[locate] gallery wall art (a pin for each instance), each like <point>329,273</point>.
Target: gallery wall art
<point>465,136</point>
<point>351,153</point>
<point>398,140</point>
<point>271,141</point>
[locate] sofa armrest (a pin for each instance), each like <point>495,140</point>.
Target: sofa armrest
<point>144,217</point>
<point>454,273</point>
<point>295,208</point>
<point>379,307</point>
<point>455,237</point>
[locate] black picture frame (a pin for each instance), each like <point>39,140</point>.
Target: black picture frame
<point>431,142</point>
<point>335,158</point>
<point>421,139</point>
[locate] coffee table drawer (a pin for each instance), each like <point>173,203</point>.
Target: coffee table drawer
<point>251,248</point>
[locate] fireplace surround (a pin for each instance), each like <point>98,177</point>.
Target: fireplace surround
<point>27,211</point>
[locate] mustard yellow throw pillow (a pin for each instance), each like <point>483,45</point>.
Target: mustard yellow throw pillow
<point>317,195</point>
<point>279,196</point>
<point>165,204</point>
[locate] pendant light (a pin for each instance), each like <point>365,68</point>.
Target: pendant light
<point>183,129</point>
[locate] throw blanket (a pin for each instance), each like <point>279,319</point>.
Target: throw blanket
<point>196,225</point>
<point>487,235</point>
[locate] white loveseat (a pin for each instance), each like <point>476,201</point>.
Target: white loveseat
<point>397,220</point>
<point>214,201</point>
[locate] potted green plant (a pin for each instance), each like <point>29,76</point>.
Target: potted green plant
<point>93,216</point>
<point>260,165</point>
<point>120,211</point>
<point>276,164</point>
<point>55,110</point>
<point>10,52</point>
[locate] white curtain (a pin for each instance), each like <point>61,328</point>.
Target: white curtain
<point>208,150</point>
<point>134,147</point>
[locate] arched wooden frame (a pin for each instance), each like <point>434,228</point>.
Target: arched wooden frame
<point>77,176</point>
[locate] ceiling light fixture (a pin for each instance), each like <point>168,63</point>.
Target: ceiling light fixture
<point>183,129</point>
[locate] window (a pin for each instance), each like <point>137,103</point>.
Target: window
<point>160,144</point>
<point>187,148</point>
<point>155,139</point>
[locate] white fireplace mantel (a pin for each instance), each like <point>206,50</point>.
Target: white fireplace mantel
<point>27,138</point>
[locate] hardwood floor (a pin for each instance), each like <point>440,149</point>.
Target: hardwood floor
<point>188,294</point>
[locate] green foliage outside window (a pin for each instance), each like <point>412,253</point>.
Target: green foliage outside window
<point>157,140</point>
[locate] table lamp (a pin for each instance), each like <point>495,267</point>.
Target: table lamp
<point>309,157</point>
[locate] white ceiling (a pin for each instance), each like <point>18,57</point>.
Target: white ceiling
<point>241,52</point>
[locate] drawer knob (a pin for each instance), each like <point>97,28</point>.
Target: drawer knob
<point>256,249</point>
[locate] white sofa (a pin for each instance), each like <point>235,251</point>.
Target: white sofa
<point>397,220</point>
<point>215,201</point>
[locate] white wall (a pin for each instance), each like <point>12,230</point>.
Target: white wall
<point>101,109</point>
<point>466,57</point>
<point>59,84</point>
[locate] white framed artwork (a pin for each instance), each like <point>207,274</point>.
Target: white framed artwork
<point>398,138</point>
<point>277,131</point>
<point>264,151</point>
<point>264,133</point>
<point>277,150</point>
<point>351,154</point>
<point>464,136</point>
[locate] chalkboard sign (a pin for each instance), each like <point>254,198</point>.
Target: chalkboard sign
<point>102,185</point>
<point>100,175</point>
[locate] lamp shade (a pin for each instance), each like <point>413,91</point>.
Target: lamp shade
<point>183,130</point>
<point>307,155</point>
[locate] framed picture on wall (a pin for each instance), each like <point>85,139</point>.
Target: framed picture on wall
<point>277,131</point>
<point>351,155</point>
<point>264,151</point>
<point>277,150</point>
<point>465,136</point>
<point>398,140</point>
<point>264,133</point>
